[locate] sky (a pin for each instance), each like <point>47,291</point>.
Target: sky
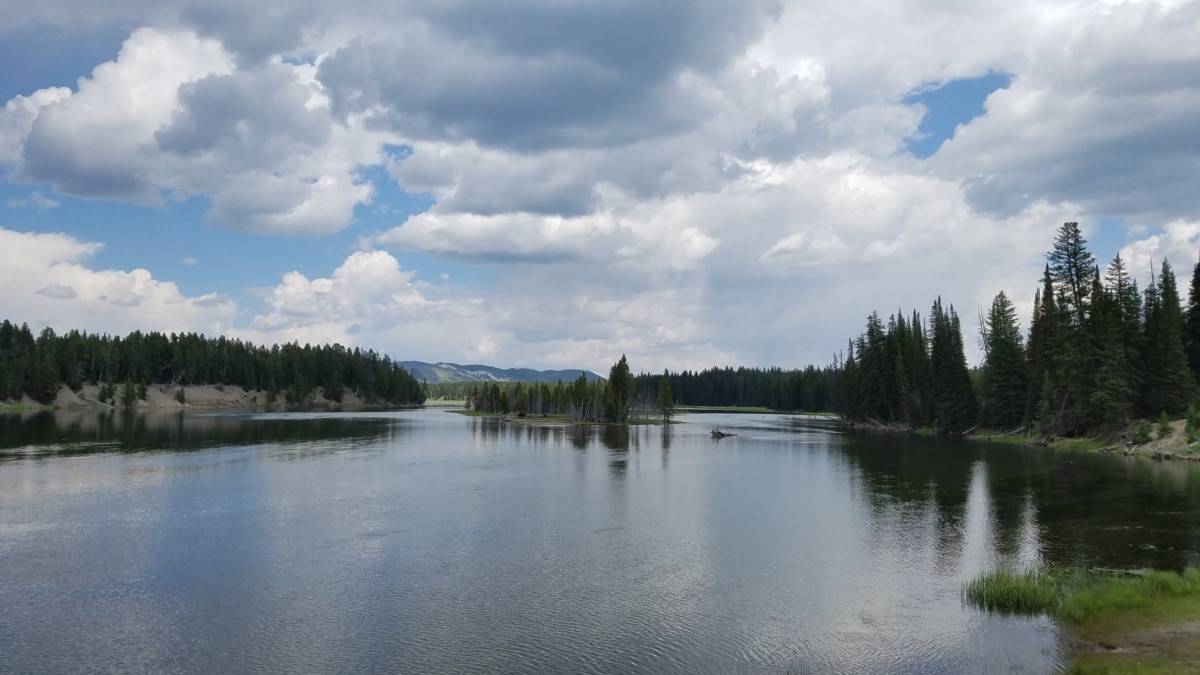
<point>552,183</point>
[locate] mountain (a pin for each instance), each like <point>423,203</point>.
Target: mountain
<point>454,372</point>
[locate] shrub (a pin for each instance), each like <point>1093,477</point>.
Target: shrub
<point>1164,426</point>
<point>179,396</point>
<point>1141,433</point>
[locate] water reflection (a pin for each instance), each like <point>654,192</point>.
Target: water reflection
<point>70,432</point>
<point>1056,507</point>
<point>323,543</point>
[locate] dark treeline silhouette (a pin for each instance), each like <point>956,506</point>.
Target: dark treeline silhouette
<point>1098,352</point>
<point>809,389</point>
<point>38,366</point>
<point>614,400</point>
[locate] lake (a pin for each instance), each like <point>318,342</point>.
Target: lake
<point>425,541</point>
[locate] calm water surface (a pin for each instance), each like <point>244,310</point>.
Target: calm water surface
<point>424,541</point>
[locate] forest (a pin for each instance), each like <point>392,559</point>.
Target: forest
<point>38,366</point>
<point>615,400</point>
<point>809,389</point>
<point>1099,351</point>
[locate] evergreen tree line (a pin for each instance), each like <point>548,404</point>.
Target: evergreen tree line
<point>613,400</point>
<point>907,372</point>
<point>1098,352</point>
<point>809,389</point>
<point>38,366</point>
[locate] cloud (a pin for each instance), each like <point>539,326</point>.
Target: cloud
<point>688,182</point>
<point>96,141</point>
<point>17,118</point>
<point>1178,243</point>
<point>537,76</point>
<point>58,292</point>
<point>37,266</point>
<point>34,200</point>
<point>171,115</point>
<point>368,287</point>
<point>1103,116</point>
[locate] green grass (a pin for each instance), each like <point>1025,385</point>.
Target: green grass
<point>1020,439</point>
<point>1029,592</point>
<point>1093,602</point>
<point>1004,438</point>
<point>1077,595</point>
<point>1082,444</point>
<point>1152,614</point>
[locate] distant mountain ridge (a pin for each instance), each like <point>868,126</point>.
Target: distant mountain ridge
<point>456,372</point>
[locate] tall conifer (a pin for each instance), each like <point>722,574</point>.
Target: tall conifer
<point>953,397</point>
<point>1192,323</point>
<point>1005,385</point>
<point>1169,384</point>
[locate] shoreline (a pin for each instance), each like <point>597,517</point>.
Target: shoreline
<point>1173,446</point>
<point>1112,621</point>
<point>206,397</point>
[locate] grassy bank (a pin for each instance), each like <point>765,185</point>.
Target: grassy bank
<point>444,402</point>
<point>1079,444</point>
<point>1015,439</point>
<point>1120,622</point>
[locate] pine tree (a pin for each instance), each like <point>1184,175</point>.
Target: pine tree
<point>876,370</point>
<point>1073,269</point>
<point>1192,323</point>
<point>953,396</point>
<point>619,392</point>
<point>917,361</point>
<point>1005,386</point>
<point>666,404</point>
<point>1169,385</point>
<point>1071,264</point>
<point>1127,311</point>
<point>1042,354</point>
<point>1047,406</point>
<point>1111,396</point>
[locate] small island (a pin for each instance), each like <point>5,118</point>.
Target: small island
<point>612,401</point>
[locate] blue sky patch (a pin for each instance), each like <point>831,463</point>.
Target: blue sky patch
<point>949,105</point>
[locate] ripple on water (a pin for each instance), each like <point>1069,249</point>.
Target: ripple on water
<point>439,546</point>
